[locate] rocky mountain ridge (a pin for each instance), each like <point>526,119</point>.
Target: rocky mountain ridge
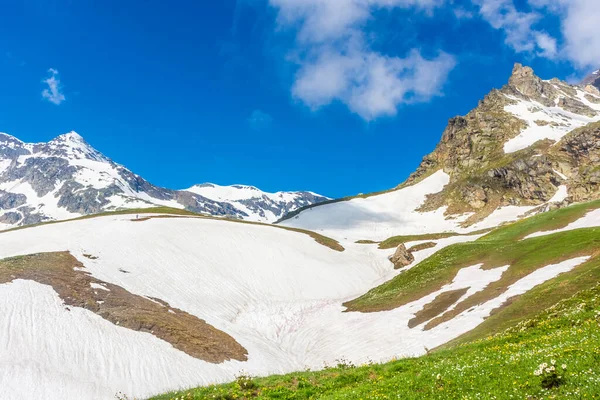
<point>520,146</point>
<point>67,178</point>
<point>592,79</point>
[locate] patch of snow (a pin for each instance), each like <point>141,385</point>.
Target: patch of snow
<point>98,286</point>
<point>474,278</point>
<point>474,317</point>
<point>561,194</point>
<point>562,176</point>
<point>590,220</point>
<point>559,122</point>
<point>46,205</point>
<point>502,215</point>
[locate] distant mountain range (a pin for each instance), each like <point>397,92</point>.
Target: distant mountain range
<point>67,178</point>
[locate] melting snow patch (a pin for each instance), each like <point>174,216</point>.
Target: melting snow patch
<point>98,286</point>
<point>477,315</point>
<point>561,194</point>
<point>474,278</point>
<point>555,122</point>
<point>562,176</point>
<point>590,220</point>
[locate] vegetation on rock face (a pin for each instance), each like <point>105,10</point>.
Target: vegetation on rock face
<point>552,355</point>
<point>483,177</point>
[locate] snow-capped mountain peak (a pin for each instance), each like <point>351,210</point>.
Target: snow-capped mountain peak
<point>262,206</point>
<point>72,145</point>
<point>66,177</point>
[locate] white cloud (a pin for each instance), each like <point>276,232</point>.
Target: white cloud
<point>580,41</point>
<point>53,92</point>
<point>259,120</point>
<point>336,63</point>
<point>546,44</point>
<point>579,26</point>
<point>518,26</point>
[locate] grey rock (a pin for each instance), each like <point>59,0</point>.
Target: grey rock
<point>401,257</point>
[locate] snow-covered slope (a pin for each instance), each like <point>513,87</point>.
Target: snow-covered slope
<point>550,122</point>
<point>260,206</point>
<point>397,213</point>
<point>66,178</point>
<point>278,293</point>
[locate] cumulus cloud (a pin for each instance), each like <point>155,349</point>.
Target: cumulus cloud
<point>518,27</point>
<point>579,42</point>
<point>259,120</point>
<point>336,62</point>
<point>53,93</point>
<point>579,27</point>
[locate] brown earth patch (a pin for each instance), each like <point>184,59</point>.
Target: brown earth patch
<point>437,306</point>
<point>182,330</point>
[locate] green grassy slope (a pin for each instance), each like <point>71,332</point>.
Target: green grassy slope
<point>502,246</point>
<point>497,367</point>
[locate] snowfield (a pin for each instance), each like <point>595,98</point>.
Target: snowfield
<point>394,213</point>
<point>546,122</point>
<point>278,293</point>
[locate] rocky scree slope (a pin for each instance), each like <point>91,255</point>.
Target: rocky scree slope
<point>67,178</point>
<point>518,147</point>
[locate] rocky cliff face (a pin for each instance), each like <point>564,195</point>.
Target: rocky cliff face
<point>66,178</point>
<point>518,147</point>
<point>592,79</point>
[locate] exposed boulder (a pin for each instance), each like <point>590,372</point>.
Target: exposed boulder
<point>401,257</point>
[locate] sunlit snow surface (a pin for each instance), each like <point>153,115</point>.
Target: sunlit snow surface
<point>391,214</point>
<point>278,293</point>
<point>555,122</point>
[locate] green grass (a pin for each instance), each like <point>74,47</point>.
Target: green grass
<point>394,241</point>
<point>542,222</point>
<point>500,247</point>
<point>497,367</point>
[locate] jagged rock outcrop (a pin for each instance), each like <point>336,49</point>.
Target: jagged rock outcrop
<point>503,152</point>
<point>592,80</point>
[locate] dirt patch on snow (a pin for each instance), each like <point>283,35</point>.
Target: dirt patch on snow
<point>439,305</point>
<point>78,288</point>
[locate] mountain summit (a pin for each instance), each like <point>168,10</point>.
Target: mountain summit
<point>531,145</point>
<point>66,178</point>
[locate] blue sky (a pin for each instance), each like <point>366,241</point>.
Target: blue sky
<point>334,96</point>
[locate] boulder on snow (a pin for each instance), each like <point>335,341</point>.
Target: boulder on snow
<point>401,258</point>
